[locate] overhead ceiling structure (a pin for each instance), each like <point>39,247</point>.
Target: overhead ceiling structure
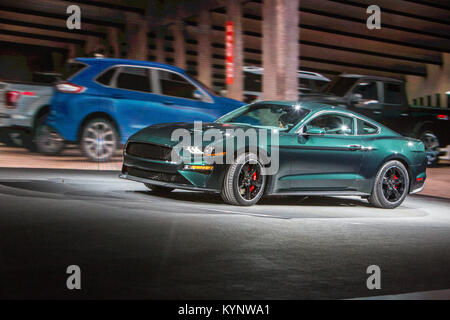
<point>333,33</point>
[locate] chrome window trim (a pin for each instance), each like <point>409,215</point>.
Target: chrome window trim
<point>113,84</point>
<point>355,124</point>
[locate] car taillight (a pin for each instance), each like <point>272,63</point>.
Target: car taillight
<point>11,98</point>
<point>68,87</point>
<point>442,117</point>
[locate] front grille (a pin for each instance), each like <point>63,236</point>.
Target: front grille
<point>154,175</point>
<point>149,151</point>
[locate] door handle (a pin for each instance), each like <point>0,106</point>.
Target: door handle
<point>354,147</point>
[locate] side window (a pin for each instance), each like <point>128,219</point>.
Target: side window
<point>392,93</point>
<point>175,85</point>
<point>368,90</point>
<point>133,78</point>
<point>365,127</point>
<point>333,124</point>
<point>106,77</point>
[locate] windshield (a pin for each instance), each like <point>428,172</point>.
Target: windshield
<point>339,86</point>
<point>266,115</point>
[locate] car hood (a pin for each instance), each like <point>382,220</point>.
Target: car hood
<point>162,133</point>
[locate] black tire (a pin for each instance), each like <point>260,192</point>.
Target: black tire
<point>30,138</point>
<point>432,146</point>
<point>391,185</point>
<point>244,181</point>
<point>48,141</point>
<point>99,140</point>
<point>11,138</point>
<point>158,189</point>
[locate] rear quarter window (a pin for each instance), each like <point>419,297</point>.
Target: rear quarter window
<point>365,127</point>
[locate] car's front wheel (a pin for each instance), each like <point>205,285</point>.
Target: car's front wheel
<point>391,185</point>
<point>244,181</point>
<point>99,140</point>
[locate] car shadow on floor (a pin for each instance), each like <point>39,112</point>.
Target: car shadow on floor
<point>208,198</point>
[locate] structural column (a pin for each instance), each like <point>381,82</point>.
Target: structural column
<point>204,62</point>
<point>179,44</point>
<point>159,43</point>
<point>234,13</point>
<point>113,42</point>
<point>269,60</point>
<point>287,48</point>
<point>137,27</point>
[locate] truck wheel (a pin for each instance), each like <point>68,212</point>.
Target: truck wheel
<point>432,146</point>
<point>391,186</point>
<point>244,181</point>
<point>11,138</point>
<point>48,141</point>
<point>99,140</point>
<point>30,138</point>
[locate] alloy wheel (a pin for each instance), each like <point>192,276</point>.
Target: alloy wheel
<point>432,146</point>
<point>250,180</point>
<point>100,140</point>
<point>394,184</point>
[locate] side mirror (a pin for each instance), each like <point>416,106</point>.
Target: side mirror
<point>356,98</point>
<point>197,95</point>
<point>315,131</point>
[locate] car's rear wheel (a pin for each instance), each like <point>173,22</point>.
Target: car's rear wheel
<point>99,140</point>
<point>432,146</point>
<point>244,181</point>
<point>158,189</point>
<point>391,185</point>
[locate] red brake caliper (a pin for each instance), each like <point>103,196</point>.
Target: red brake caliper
<point>254,178</point>
<point>395,178</point>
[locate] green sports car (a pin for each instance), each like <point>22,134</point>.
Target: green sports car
<point>279,148</point>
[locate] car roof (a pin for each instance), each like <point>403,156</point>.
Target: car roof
<point>358,76</point>
<point>314,106</point>
<point>300,73</point>
<point>114,61</point>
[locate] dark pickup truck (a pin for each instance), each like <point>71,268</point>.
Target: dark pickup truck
<point>385,100</point>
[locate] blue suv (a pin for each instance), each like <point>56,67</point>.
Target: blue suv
<point>104,101</point>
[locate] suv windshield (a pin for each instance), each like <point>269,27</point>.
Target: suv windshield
<point>339,86</point>
<point>266,115</point>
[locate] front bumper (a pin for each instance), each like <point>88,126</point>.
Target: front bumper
<point>171,174</point>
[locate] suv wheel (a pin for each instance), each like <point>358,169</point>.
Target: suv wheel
<point>99,140</point>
